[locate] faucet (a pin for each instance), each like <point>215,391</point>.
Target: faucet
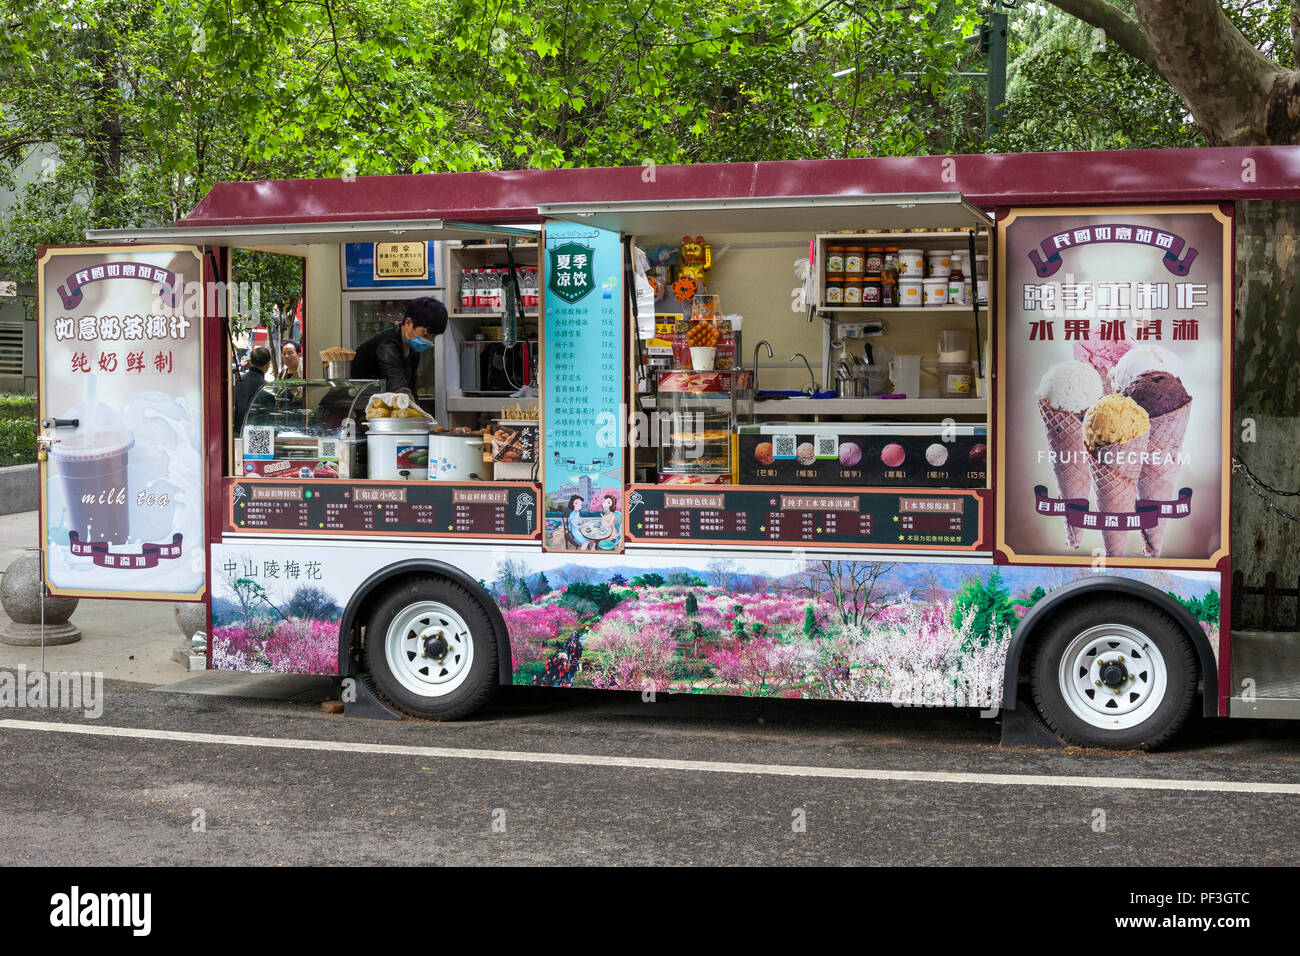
<point>811,388</point>
<point>761,343</point>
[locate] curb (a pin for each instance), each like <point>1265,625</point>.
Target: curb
<point>19,488</point>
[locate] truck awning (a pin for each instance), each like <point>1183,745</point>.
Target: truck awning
<point>308,233</point>
<point>861,213</point>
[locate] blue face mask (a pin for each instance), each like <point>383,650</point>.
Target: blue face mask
<point>419,343</point>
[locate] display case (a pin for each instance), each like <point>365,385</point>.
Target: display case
<point>697,415</point>
<point>310,428</point>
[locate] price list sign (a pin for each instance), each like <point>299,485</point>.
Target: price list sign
<point>582,382</point>
<point>802,518</point>
<point>479,510</point>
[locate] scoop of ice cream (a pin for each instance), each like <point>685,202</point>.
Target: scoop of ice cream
<point>1070,386</point>
<point>763,452</point>
<point>1102,354</point>
<point>850,454</point>
<point>1143,358</point>
<point>936,454</point>
<point>1113,419</point>
<point>806,454</point>
<point>1158,392</point>
<point>892,455</point>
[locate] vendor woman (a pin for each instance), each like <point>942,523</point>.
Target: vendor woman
<point>394,354</point>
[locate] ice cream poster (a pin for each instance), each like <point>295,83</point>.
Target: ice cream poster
<point>1113,385</point>
<point>121,406</point>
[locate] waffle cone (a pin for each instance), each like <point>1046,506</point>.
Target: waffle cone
<point>1157,479</point>
<point>1115,482</point>
<point>1065,437</point>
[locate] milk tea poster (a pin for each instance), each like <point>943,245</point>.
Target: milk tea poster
<point>1113,385</point>
<point>121,375</point>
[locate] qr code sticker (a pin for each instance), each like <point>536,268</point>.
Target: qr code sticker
<point>259,442</point>
<point>783,446</point>
<point>826,446</point>
<point>327,449</point>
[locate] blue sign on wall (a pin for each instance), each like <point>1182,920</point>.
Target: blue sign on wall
<point>359,269</point>
<point>582,388</point>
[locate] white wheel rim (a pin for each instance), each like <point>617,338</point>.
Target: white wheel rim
<point>404,649</point>
<point>1088,672</point>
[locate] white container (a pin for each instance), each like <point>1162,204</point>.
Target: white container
<point>702,357</point>
<point>911,291</point>
<point>939,262</point>
<point>982,291</point>
<point>905,373</point>
<point>456,457</point>
<point>954,346</point>
<point>936,291</point>
<point>398,449</point>
<point>911,264</point>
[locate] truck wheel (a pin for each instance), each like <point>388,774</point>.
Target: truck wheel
<point>1119,673</point>
<point>432,650</point>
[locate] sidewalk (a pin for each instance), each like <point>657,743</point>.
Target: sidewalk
<point>126,640</point>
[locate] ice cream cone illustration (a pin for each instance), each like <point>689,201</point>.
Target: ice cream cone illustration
<point>1102,355</point>
<point>1116,430</point>
<point>1169,407</point>
<point>1066,391</point>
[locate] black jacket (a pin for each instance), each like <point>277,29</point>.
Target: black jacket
<point>250,383</point>
<point>380,356</point>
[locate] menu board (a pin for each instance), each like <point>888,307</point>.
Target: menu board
<point>499,511</point>
<point>582,388</point>
<point>806,518</point>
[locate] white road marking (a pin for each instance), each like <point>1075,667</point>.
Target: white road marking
<point>658,763</point>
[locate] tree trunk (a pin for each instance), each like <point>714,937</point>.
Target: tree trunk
<point>1266,391</point>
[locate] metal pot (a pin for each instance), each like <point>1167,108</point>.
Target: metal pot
<point>338,370</point>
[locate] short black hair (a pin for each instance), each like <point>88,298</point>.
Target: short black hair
<point>426,312</point>
<point>260,357</point>
<point>290,342</point>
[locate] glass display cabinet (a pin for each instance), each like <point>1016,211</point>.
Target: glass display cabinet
<point>313,428</point>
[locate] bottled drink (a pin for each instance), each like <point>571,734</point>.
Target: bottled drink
<point>956,283</point>
<point>889,282</point>
<point>468,293</point>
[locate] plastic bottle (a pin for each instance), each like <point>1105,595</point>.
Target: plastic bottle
<point>956,283</point>
<point>468,292</point>
<point>889,282</point>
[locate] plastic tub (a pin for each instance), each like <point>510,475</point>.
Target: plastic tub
<point>939,262</point>
<point>936,291</point>
<point>956,380</point>
<point>911,292</point>
<point>911,264</point>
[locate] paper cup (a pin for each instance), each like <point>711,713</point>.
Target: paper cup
<point>702,358</point>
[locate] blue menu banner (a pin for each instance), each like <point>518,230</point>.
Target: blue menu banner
<point>582,388</point>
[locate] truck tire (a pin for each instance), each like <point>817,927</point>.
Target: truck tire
<point>1116,673</point>
<point>431,649</point>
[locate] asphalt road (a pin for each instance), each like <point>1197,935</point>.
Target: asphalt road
<point>80,799</point>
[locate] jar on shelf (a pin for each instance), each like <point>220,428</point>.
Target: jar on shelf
<point>834,290</point>
<point>875,260</point>
<point>871,291</point>
<point>853,288</point>
<point>855,260</point>
<point>835,259</point>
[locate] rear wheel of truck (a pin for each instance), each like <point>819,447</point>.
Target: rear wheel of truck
<point>1116,673</point>
<point>432,650</point>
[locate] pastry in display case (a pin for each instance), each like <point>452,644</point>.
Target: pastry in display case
<point>697,414</point>
<point>306,429</point>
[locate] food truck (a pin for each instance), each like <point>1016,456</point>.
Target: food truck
<point>932,431</point>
